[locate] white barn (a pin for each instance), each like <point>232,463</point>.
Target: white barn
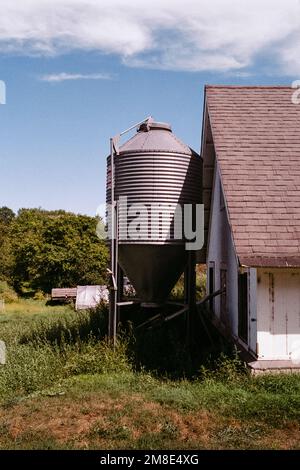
<point>251,192</point>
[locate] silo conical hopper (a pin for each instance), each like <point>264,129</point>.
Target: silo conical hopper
<point>154,169</point>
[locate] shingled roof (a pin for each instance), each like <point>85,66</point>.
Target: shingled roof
<point>256,136</point>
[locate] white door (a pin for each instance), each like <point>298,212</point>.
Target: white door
<point>278,313</point>
<point>293,324</point>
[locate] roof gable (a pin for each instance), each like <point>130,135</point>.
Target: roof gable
<point>256,136</point>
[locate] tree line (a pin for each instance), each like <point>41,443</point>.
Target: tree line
<point>42,249</point>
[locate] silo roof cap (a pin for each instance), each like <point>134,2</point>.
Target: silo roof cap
<point>153,125</point>
<point>155,137</point>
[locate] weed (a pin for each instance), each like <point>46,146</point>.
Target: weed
<point>169,430</point>
<point>111,431</point>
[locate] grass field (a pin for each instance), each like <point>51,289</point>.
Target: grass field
<point>64,388</point>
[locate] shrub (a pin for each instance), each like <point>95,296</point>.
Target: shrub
<point>39,295</point>
<point>96,358</point>
<point>177,292</point>
<point>225,368</point>
<point>7,293</point>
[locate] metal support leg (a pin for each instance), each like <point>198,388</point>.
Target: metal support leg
<point>113,292</point>
<point>112,321</point>
<point>120,291</point>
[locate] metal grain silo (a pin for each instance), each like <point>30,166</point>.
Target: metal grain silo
<point>154,169</point>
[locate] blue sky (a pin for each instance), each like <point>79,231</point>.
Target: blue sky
<point>68,91</point>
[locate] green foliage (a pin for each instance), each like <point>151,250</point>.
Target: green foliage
<point>6,254</point>
<point>114,432</point>
<point>7,293</point>
<point>96,357</point>
<point>39,295</point>
<point>46,249</point>
<point>200,282</point>
<point>178,290</point>
<point>225,368</point>
<point>29,369</point>
<point>279,383</point>
<point>6,215</point>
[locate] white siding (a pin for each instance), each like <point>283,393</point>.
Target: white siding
<point>221,251</point>
<point>273,294</point>
<point>278,313</point>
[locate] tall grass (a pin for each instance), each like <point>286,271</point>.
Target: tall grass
<point>48,350</point>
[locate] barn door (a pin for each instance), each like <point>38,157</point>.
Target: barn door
<point>278,313</point>
<point>293,316</point>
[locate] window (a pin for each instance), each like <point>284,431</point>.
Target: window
<point>223,300</point>
<point>243,307</point>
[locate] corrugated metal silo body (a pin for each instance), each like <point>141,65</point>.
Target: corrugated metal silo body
<point>154,167</point>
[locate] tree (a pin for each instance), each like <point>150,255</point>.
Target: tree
<point>56,249</point>
<point>6,215</point>
<point>6,255</point>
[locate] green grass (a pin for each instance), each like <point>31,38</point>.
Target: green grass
<point>20,316</point>
<point>64,387</point>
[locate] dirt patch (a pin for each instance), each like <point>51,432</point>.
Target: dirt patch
<point>285,439</point>
<point>102,419</point>
<point>98,421</point>
<point>62,419</point>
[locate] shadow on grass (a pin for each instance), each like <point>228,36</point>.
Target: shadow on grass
<point>165,350</point>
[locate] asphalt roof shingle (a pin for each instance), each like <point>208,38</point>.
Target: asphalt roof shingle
<point>256,134</point>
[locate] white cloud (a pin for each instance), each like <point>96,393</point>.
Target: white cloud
<point>193,35</point>
<point>63,76</point>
